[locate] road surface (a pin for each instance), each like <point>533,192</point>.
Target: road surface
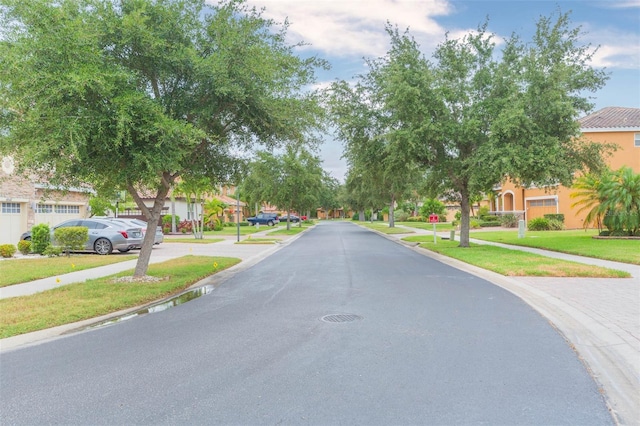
<point>342,326</point>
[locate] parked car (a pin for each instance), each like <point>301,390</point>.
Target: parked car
<point>292,218</point>
<point>270,219</point>
<point>104,236</point>
<point>159,237</point>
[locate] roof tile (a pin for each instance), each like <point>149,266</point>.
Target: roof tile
<point>612,117</point>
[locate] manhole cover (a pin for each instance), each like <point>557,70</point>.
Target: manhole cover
<point>341,318</point>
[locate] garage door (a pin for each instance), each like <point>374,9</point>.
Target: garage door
<point>538,208</point>
<point>13,218</point>
<point>53,214</point>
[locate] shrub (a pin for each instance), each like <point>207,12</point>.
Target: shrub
<point>474,224</point>
<point>166,220</point>
<point>24,247</point>
<point>217,226</point>
<point>458,216</point>
<point>71,238</point>
<point>538,224</point>
<point>400,215</point>
<point>40,238</point>
<point>483,213</point>
<point>620,233</point>
<point>433,206</point>
<point>509,220</point>
<point>415,219</point>
<point>489,223</point>
<point>7,250</point>
<point>52,251</point>
<point>555,216</point>
<point>185,226</point>
<point>555,225</point>
<point>166,223</point>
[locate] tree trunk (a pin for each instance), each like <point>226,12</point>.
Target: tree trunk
<point>173,214</point>
<point>153,216</point>
<point>464,219</point>
<point>392,222</point>
<point>361,216</point>
<point>289,219</point>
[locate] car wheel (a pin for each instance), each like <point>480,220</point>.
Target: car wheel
<point>270,223</point>
<point>103,246</point>
<point>123,251</point>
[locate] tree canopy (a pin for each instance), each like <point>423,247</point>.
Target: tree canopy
<point>135,94</point>
<point>290,181</point>
<point>475,116</point>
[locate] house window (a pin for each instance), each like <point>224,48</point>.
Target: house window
<point>636,141</point>
<point>64,209</point>
<point>549,202</point>
<point>44,208</point>
<point>10,208</point>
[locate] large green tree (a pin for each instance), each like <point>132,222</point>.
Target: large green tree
<point>475,116</point>
<point>361,118</point>
<point>134,94</point>
<point>290,181</point>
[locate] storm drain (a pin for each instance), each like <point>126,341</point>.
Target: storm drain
<point>341,318</point>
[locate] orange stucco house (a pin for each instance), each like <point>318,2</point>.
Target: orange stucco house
<point>608,125</point>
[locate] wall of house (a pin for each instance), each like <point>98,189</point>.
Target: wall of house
<point>536,202</point>
<point>627,155</point>
<point>24,204</point>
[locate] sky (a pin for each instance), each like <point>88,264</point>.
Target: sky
<point>344,32</point>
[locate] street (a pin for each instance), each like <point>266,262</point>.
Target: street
<point>342,326</point>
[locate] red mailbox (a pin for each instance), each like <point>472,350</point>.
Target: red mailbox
<point>433,218</point>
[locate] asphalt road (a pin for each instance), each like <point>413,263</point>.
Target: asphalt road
<point>419,343</point>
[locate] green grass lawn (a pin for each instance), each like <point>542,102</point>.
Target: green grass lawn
<point>440,227</point>
<point>258,241</point>
<point>295,229</point>
<point>232,230</point>
<point>384,228</point>
<point>93,298</point>
<point>193,240</point>
<point>573,242</point>
<point>513,262</point>
<point>17,271</point>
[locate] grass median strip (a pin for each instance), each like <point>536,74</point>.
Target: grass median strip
<point>259,241</point>
<point>16,271</point>
<point>93,298</point>
<point>295,229</point>
<point>385,229</point>
<point>193,240</point>
<point>513,262</point>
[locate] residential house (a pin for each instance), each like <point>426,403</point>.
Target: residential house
<point>617,125</point>
<point>25,202</point>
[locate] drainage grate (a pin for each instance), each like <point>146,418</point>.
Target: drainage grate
<point>340,318</point>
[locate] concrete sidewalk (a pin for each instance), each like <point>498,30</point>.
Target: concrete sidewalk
<point>162,252</point>
<point>599,317</point>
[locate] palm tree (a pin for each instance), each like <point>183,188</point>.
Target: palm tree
<point>212,209</point>
<point>587,190</point>
<point>620,197</point>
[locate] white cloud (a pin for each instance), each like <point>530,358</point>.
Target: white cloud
<point>355,27</point>
<point>622,4</point>
<point>616,48</point>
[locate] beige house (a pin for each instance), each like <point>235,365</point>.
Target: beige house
<point>620,126</point>
<point>26,202</point>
